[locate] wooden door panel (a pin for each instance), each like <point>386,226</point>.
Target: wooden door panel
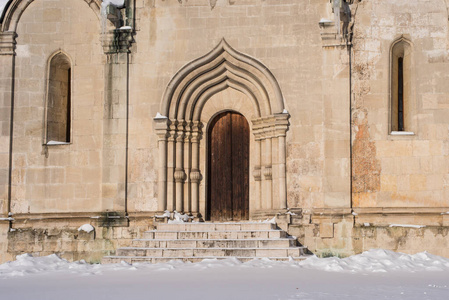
<point>240,167</point>
<point>228,161</point>
<point>220,187</point>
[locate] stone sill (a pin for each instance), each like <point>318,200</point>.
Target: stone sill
<point>402,133</point>
<point>56,143</point>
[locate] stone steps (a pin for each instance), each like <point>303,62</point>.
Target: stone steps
<point>205,235</point>
<point>206,226</point>
<point>197,241</point>
<point>154,260</point>
<point>199,252</point>
<point>210,243</point>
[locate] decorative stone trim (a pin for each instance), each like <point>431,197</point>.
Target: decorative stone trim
<point>8,43</point>
<point>267,172</point>
<point>257,174</point>
<point>180,176</point>
<point>195,176</point>
<point>180,132</point>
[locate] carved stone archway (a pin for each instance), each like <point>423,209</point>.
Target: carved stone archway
<point>180,129</point>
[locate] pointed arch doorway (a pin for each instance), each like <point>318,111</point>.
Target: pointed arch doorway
<point>189,105</point>
<point>228,168</point>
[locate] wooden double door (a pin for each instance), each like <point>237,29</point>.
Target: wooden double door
<point>228,168</point>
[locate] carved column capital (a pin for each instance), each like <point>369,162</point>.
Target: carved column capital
<point>180,130</point>
<point>8,43</point>
<point>196,131</point>
<point>267,172</point>
<point>257,173</point>
<point>281,124</point>
<point>172,130</point>
<point>123,39</point>
<point>179,175</point>
<point>162,128</point>
<point>195,176</point>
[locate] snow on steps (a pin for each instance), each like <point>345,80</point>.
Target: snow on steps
<point>197,241</point>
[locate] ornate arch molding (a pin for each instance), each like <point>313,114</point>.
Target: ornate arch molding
<point>180,129</point>
<point>223,59</point>
<point>15,8</point>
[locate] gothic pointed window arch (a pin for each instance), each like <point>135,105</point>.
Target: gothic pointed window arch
<point>401,87</point>
<point>58,106</point>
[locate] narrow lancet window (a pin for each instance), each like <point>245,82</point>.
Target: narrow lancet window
<point>400,94</point>
<point>401,88</point>
<point>59,99</point>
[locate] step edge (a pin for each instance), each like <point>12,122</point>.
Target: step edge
<point>171,231</point>
<point>243,239</point>
<point>214,248</point>
<point>207,257</point>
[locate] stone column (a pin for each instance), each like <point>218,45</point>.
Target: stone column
<point>281,128</point>
<point>275,172</point>
<point>257,173</point>
<point>195,174</point>
<point>7,61</point>
<point>116,45</point>
<point>115,133</point>
<point>162,133</point>
<point>171,166</point>
<point>187,168</point>
<point>267,173</point>
<point>282,179</point>
<point>179,169</point>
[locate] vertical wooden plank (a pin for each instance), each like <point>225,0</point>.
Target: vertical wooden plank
<point>240,162</point>
<point>245,152</point>
<point>236,162</point>
<point>227,167</point>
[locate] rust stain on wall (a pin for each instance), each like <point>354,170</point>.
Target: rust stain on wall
<point>366,168</point>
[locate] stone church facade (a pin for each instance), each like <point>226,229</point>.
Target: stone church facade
<point>113,114</point>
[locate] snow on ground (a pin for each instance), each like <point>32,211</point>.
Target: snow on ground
<point>375,274</point>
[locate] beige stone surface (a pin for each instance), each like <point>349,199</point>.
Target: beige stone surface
<point>274,56</point>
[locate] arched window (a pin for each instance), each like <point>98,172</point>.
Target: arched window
<point>401,87</point>
<point>58,99</point>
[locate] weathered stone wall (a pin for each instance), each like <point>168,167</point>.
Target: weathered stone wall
<point>395,179</point>
<point>284,36</point>
<point>60,236</point>
<point>390,170</point>
<point>61,178</point>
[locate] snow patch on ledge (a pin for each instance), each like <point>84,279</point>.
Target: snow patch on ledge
<point>271,221</point>
<point>86,228</point>
<point>116,3</point>
<point>402,133</point>
<point>166,214</point>
<point>159,116</point>
<point>52,143</point>
<point>407,225</point>
<point>179,218</point>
